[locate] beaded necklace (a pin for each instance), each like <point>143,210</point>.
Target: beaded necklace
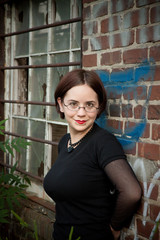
<point>73,145</point>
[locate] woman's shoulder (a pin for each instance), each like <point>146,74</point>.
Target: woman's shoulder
<point>104,138</point>
<point>103,133</point>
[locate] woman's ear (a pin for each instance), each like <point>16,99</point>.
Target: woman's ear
<point>59,100</point>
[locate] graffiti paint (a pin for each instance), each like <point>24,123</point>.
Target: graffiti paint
<point>124,83</point>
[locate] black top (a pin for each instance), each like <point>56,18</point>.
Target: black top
<point>82,182</point>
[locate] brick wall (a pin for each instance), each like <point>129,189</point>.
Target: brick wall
<point>121,41</point>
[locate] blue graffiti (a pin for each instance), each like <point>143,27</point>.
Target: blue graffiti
<point>126,82</point>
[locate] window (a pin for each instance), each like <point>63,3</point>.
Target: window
<point>42,43</point>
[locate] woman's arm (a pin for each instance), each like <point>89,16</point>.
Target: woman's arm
<point>129,192</point>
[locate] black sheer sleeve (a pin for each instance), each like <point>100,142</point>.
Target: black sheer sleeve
<point>128,191</point>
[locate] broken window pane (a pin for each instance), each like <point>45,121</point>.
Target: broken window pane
<point>39,18</point>
<point>20,127</point>
<point>22,23</point>
<point>36,163</point>
<point>38,87</point>
<point>21,88</point>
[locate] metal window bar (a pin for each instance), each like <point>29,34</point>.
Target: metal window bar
<point>27,102</point>
<point>40,66</point>
<point>22,171</point>
<point>69,21</point>
<point>31,138</point>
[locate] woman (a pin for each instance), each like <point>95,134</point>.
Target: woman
<point>91,182</point>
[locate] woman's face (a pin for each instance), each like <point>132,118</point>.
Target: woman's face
<point>79,120</point>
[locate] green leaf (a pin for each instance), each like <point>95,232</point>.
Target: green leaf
<point>21,221</point>
<point>2,146</point>
<point>9,149</point>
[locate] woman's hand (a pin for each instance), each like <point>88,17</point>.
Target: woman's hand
<point>116,234</point>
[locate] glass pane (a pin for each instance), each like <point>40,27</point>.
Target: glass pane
<point>39,12</point>
<point>37,87</point>
<point>56,74</point>
<point>76,35</point>
<point>76,8</point>
<point>39,41</point>
<point>61,38</point>
<point>39,18</point>
<point>22,23</point>
<point>62,10</point>
<point>36,165</point>
<point>20,127</point>
<point>77,56</point>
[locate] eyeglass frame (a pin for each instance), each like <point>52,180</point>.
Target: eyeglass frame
<point>79,108</point>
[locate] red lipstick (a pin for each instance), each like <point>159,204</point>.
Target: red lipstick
<point>80,121</point>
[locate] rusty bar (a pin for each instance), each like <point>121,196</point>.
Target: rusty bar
<point>2,62</point>
<point>41,66</point>
<point>27,102</point>
<point>31,138</point>
<point>22,171</point>
<point>56,24</point>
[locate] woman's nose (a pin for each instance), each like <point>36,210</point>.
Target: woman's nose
<point>81,111</point>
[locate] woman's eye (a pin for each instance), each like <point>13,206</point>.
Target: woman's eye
<point>90,105</point>
<point>73,104</point>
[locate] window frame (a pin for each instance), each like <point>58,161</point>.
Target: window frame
<point>7,102</point>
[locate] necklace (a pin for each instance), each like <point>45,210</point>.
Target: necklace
<point>73,145</point>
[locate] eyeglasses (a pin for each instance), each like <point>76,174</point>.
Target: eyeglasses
<point>88,107</point>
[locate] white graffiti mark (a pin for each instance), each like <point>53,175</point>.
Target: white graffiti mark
<point>139,165</point>
<point>154,228</point>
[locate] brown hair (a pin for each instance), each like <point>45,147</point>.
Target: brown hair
<point>80,77</point>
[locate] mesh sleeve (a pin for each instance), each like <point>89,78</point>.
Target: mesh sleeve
<point>128,191</point>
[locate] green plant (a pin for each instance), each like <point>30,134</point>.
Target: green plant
<point>12,188</point>
<point>71,233</point>
<point>12,185</point>
<point>7,146</point>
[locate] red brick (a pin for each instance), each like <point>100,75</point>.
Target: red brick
<point>114,110</point>
<point>130,237</point>
<point>148,34</point>
<point>140,93</point>
<point>136,18</point>
<point>100,9</point>
<point>87,13</point>
<point>110,24</point>
<point>111,58</point>
<point>155,14</point>
<point>99,43</point>
<point>115,124</point>
<point>154,112</point>
<point>145,230</point>
<point>90,28</point>
<point>146,133</point>
<point>121,6</point>
<point>139,112</point>
<point>155,53</point>
<point>85,45</point>
<point>127,110</point>
<point>155,131</point>
<point>112,93</point>
<point>134,55</point>
<point>154,193</point>
<point>155,92</point>
<point>90,60</point>
<point>154,211</point>
<point>156,73</point>
<point>122,39</point>
<point>149,151</point>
